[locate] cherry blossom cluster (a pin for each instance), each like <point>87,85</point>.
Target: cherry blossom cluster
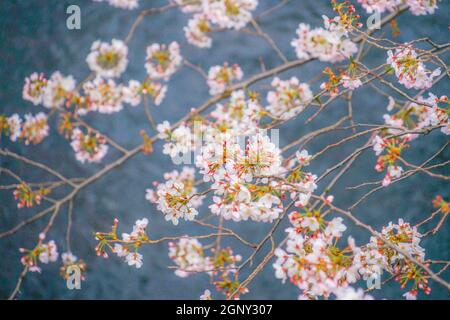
<point>416,7</point>
<point>240,114</point>
<point>34,128</point>
<point>391,149</point>
<point>349,79</point>
<point>428,112</point>
<point>346,19</point>
<point>177,198</point>
<point>108,60</point>
<point>125,247</point>
<point>325,45</point>
<point>122,4</point>
<point>246,174</point>
<point>51,93</point>
<point>90,146</point>
<point>11,126</point>
<point>189,257</point>
<point>163,60</point>
<point>106,96</point>
<point>101,94</point>
<point>178,141</point>
<point>237,173</point>
<point>220,77</point>
<point>228,14</point>
<point>375,257</point>
<point>43,252</point>
<point>318,265</point>
<point>410,69</point>
<point>312,260</point>
<point>289,98</point>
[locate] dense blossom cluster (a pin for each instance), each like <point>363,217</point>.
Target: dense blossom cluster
<point>236,162</point>
<point>375,257</point>
<point>311,260</point>
<point>410,69</point>
<point>323,44</point>
<point>241,170</point>
<point>177,198</point>
<point>318,266</point>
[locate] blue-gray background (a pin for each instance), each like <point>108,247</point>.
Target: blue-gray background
<point>34,37</point>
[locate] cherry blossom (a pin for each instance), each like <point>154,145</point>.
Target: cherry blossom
<point>303,157</point>
<point>241,114</point>
<point>43,252</point>
<point>409,68</point>
<point>239,171</point>
<point>108,60</point>
<point>309,260</point>
<point>322,44</point>
<point>134,259</point>
<point>27,197</point>
<point>197,31</point>
<point>177,198</point>
<point>231,13</point>
<point>57,89</point>
<point>103,95</point>
<point>179,140</point>
<point>11,126</point>
<point>189,256</point>
<point>220,77</point>
<point>126,247</point>
<point>350,83</point>
<point>379,5</point>
<point>33,90</point>
<point>90,146</point>
<point>162,60</point>
<point>34,128</point>
<point>132,94</point>
<point>289,98</point>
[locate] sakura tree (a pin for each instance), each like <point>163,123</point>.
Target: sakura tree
<point>228,164</point>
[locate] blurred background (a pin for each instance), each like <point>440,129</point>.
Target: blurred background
<point>34,37</point>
